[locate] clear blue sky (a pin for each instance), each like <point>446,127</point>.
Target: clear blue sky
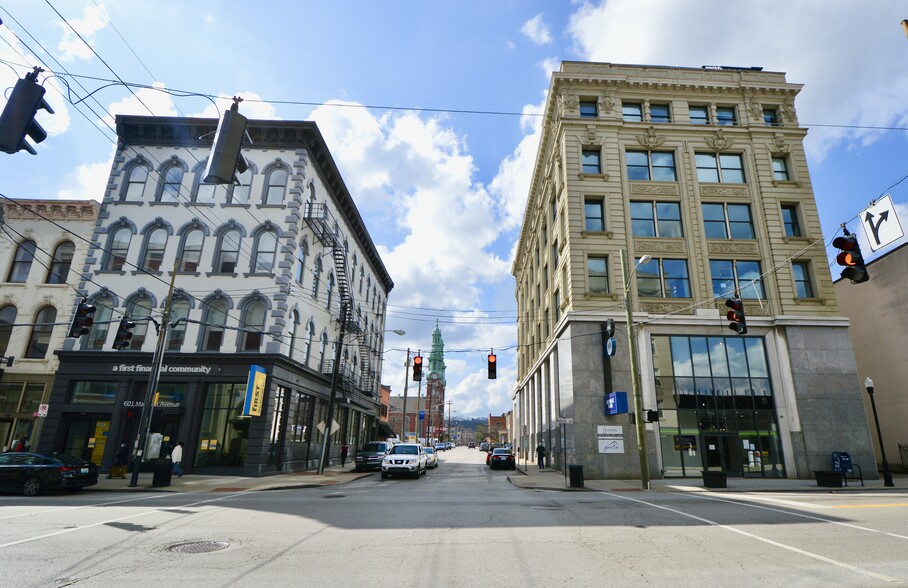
<point>441,190</point>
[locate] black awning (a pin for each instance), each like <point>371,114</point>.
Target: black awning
<point>385,431</point>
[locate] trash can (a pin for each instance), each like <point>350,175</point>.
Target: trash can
<point>713,479</point>
<point>163,470</point>
<point>575,472</point>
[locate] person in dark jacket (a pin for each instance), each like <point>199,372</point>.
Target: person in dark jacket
<point>540,455</point>
<point>345,450</point>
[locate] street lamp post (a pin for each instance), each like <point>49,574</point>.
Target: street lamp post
<point>635,373</point>
<point>887,475</point>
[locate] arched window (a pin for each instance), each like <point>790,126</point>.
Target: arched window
<point>239,194</point>
<point>7,320</point>
<point>176,331</point>
<point>301,254</point>
<point>228,252</point>
<point>275,186</point>
<point>61,263</point>
<point>134,187</point>
<point>316,276</point>
<point>191,252</point>
<point>202,193</point>
<point>362,274</point>
<point>139,311</point>
<point>22,262</point>
<point>117,249</point>
<point>310,335</point>
<point>368,285</point>
<point>252,321</point>
<point>329,284</point>
<point>153,256</point>
<point>265,248</point>
<point>171,180</point>
<point>98,335</point>
<point>43,328</point>
<point>321,353</point>
<point>213,319</point>
<point>294,324</point>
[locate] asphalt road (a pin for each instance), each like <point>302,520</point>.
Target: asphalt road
<point>461,525</point>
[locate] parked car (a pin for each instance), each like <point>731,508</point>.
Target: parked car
<point>484,446</point>
<point>33,473</point>
<point>472,445</point>
<point>404,459</point>
<point>431,458</point>
<point>502,458</point>
<point>371,455</point>
<point>441,447</point>
<point>451,445</point>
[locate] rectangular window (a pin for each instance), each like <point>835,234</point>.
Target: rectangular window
<point>725,168</point>
<point>555,254</point>
<point>663,278</point>
<point>591,163</point>
<point>780,169</point>
<point>770,117</point>
<point>660,113</point>
<point>723,220</point>
<point>632,112</point>
<point>729,276</point>
<point>597,268</point>
<point>556,302</point>
<point>647,165</point>
<point>588,109</point>
<point>790,220</point>
<point>83,392</point>
<point>699,115</point>
<point>656,219</point>
<point>803,285</point>
<point>725,116</point>
<point>222,432</point>
<point>594,219</point>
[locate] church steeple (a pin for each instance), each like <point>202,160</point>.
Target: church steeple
<point>437,356</point>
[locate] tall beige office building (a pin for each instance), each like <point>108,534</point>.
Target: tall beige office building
<point>699,176</point>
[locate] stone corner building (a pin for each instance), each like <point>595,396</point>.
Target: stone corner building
<point>703,170</point>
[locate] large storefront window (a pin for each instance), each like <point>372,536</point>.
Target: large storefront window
<point>224,433</point>
<point>84,392</point>
<point>716,407</point>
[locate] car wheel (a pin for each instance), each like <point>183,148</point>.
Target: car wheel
<point>384,475</point>
<point>31,487</point>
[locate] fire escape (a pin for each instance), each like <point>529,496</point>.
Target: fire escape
<point>326,229</point>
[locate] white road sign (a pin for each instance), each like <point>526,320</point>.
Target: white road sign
<point>881,225</point>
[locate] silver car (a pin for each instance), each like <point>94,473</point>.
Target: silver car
<point>431,457</point>
<point>407,459</point>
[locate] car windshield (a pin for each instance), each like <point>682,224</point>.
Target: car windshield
<point>501,451</point>
<point>429,450</point>
<point>374,447</point>
<point>405,450</point>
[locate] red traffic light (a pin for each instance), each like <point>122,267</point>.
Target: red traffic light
<point>493,366</point>
<point>738,322</point>
<point>850,256</point>
<point>417,368</point>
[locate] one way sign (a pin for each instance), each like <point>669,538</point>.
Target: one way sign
<point>881,225</point>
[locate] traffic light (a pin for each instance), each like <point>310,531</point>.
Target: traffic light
<point>609,328</point>
<point>850,256</point>
<point>18,118</point>
<point>417,368</point>
<point>652,416</point>
<point>82,319</point>
<point>738,322</point>
<point>226,160</point>
<point>493,366</point>
<point>123,336</point>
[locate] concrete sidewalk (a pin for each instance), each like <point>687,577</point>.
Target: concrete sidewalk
<point>529,476</point>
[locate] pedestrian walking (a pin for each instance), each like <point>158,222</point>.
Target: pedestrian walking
<point>176,456</point>
<point>344,451</point>
<point>540,455</point>
<point>119,465</point>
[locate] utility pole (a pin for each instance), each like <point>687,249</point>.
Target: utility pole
<point>153,377</point>
<point>403,416</point>
<point>635,373</point>
<point>329,418</point>
<point>418,401</point>
<point>449,403</point>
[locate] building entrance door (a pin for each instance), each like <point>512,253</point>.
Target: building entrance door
<point>86,438</point>
<point>721,452</point>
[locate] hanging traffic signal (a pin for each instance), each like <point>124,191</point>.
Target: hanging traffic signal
<point>850,257</point>
<point>18,118</point>
<point>417,368</point>
<point>738,322</point>
<point>226,160</point>
<point>82,319</point>
<point>493,366</point>
<point>652,416</point>
<point>123,336</point>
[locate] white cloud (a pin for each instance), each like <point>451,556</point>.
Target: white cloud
<point>87,181</point>
<point>143,102</point>
<point>851,59</point>
<point>71,46</point>
<point>536,30</point>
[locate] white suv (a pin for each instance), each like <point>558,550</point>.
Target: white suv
<point>404,459</point>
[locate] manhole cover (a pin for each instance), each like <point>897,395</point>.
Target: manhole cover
<point>198,547</point>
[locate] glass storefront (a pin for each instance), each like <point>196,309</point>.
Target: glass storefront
<point>19,402</point>
<point>716,407</point>
<point>223,432</point>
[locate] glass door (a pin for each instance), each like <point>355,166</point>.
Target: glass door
<point>721,452</point>
<point>86,438</point>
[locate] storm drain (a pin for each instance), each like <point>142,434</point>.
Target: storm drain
<point>198,547</point>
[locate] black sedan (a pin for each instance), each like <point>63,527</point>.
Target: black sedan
<point>33,473</point>
<point>502,458</point>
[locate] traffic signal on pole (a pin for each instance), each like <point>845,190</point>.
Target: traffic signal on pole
<point>417,368</point>
<point>850,257</point>
<point>124,334</point>
<point>609,328</point>
<point>226,160</point>
<point>82,319</point>
<point>652,416</point>
<point>18,118</point>
<point>738,322</point>
<point>493,366</point>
